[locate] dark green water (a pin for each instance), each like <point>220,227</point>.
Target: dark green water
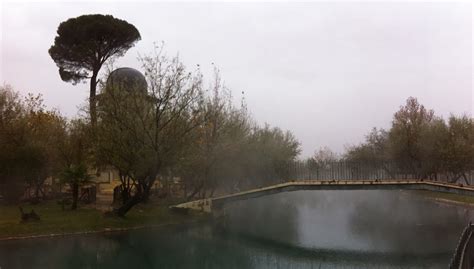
<point>344,229</point>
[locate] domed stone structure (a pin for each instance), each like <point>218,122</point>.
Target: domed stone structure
<point>127,79</point>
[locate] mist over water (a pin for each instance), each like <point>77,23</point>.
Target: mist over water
<point>366,221</point>
<point>303,229</point>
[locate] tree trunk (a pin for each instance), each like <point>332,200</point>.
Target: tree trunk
<point>75,196</point>
<point>125,193</point>
<point>148,184</point>
<point>125,188</point>
<point>121,211</point>
<point>92,98</point>
<point>146,195</point>
<point>145,190</point>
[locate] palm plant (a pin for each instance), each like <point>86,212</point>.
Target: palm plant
<point>75,176</point>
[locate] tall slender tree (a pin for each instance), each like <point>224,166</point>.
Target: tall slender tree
<point>85,43</point>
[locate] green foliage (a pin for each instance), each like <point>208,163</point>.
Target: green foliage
<point>75,175</point>
<point>270,151</point>
<point>459,146</point>
<point>85,43</point>
<point>36,144</point>
<point>405,136</point>
<point>28,135</point>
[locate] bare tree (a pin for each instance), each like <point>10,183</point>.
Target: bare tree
<point>324,156</point>
<point>204,165</point>
<point>141,131</point>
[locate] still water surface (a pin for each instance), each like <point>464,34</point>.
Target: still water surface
<point>304,229</point>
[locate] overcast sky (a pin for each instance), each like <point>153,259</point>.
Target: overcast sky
<point>328,72</point>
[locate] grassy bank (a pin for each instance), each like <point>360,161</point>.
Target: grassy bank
<point>56,221</point>
<point>448,197</point>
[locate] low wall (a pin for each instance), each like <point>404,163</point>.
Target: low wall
<point>207,205</point>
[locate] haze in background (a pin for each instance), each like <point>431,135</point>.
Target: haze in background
<point>326,71</point>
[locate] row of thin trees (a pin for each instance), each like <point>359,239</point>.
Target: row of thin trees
<point>418,145</point>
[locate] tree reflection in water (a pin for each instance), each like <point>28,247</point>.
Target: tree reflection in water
<point>363,229</point>
<point>272,218</point>
<point>403,222</point>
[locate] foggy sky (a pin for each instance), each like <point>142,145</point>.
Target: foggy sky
<point>328,72</point>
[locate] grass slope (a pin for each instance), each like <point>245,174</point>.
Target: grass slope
<point>56,221</point>
<point>448,197</point>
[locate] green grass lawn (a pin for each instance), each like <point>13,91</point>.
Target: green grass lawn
<point>56,221</point>
<point>448,196</point>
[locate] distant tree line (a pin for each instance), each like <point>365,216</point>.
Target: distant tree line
<point>420,144</point>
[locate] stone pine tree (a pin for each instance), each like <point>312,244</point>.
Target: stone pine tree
<point>85,43</point>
